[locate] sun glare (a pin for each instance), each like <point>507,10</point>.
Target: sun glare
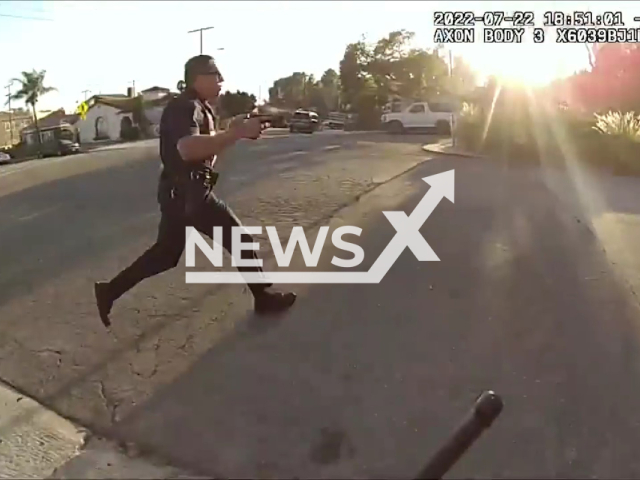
<point>533,65</point>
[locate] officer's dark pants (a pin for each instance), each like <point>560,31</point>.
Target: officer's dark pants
<point>167,251</point>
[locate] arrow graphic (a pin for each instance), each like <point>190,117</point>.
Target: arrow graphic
<point>407,235</point>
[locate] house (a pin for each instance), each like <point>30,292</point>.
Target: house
<point>50,126</point>
<point>11,123</point>
<point>114,117</point>
<point>155,93</point>
<point>54,119</point>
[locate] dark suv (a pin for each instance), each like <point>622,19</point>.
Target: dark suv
<point>304,122</point>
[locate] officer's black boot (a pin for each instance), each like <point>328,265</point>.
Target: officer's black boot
<point>269,301</point>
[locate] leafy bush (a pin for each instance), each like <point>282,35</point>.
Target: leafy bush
<point>468,126</point>
<point>470,113</point>
<point>503,126</point>
<point>619,124</point>
<point>518,127</point>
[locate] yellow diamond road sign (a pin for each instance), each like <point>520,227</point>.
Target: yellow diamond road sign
<point>82,110</point>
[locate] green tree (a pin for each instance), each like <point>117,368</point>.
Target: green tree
<point>237,103</point>
<point>354,78</point>
<point>610,83</point>
<point>371,75</point>
<point>138,114</point>
<point>302,90</point>
<point>463,78</point>
<point>290,92</point>
<point>330,86</point>
<point>31,89</point>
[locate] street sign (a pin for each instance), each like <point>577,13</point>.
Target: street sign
<point>82,110</point>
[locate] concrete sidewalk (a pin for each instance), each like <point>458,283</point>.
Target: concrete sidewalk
<point>37,443</point>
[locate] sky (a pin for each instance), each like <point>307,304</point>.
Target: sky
<point>105,46</point>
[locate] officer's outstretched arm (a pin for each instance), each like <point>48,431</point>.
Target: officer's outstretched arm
<point>180,123</point>
<point>195,148</point>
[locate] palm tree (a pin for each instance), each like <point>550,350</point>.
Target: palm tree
<point>31,89</point>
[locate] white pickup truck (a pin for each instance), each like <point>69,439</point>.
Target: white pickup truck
<point>418,116</point>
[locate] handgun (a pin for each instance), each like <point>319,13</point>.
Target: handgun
<point>264,117</point>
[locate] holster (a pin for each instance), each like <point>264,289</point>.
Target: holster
<point>193,189</point>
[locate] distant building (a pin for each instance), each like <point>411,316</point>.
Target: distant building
<point>54,119</point>
<point>110,117</point>
<point>11,124</point>
<point>155,93</point>
<point>48,125</point>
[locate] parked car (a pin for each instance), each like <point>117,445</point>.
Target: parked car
<point>68,147</point>
<point>4,158</point>
<point>304,121</point>
<point>419,116</point>
<point>336,120</point>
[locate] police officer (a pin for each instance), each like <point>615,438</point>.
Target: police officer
<point>188,149</point>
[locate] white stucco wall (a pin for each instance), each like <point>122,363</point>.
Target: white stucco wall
<point>112,119</point>
<point>154,114</point>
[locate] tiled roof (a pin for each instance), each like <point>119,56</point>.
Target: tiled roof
<point>54,119</point>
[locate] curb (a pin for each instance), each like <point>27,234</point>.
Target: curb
<point>15,161</point>
<point>101,459</point>
<point>35,442</point>
<point>448,150</point>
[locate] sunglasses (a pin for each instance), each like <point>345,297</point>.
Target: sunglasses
<point>218,75</point>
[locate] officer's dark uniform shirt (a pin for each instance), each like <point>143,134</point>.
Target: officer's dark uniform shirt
<point>183,116</point>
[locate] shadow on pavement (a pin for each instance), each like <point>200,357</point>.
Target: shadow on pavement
<point>593,192</point>
<point>364,381</point>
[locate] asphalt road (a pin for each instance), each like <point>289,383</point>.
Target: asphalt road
<point>533,297</point>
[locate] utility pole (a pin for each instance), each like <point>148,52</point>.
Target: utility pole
<point>8,87</point>
<point>453,120</point>
<point>86,92</point>
<point>200,30</point>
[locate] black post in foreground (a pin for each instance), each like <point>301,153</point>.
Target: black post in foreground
<point>486,409</point>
